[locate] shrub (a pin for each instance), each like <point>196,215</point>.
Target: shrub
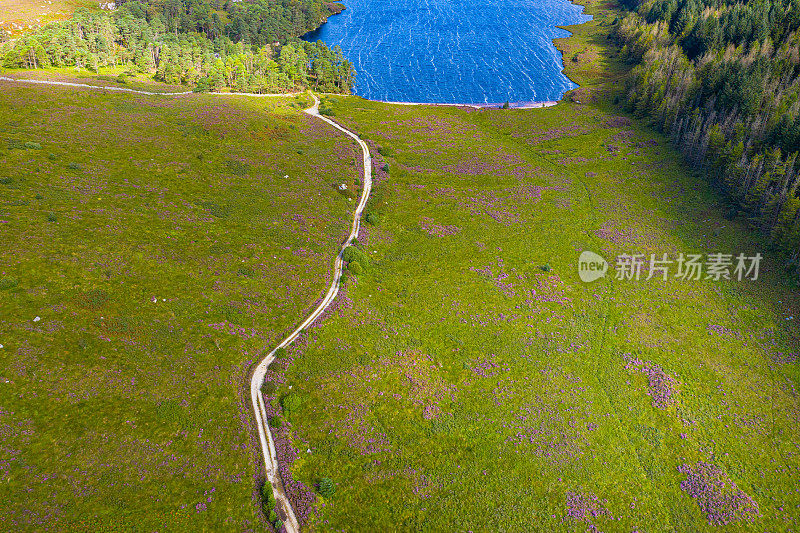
<point>371,219</point>
<point>355,268</point>
<point>326,109</point>
<point>52,157</point>
<point>30,145</point>
<point>5,180</point>
<point>326,487</point>
<point>51,217</point>
<point>74,166</point>
<point>7,282</point>
<point>267,497</point>
<point>280,353</point>
<point>273,516</point>
<point>291,402</point>
<point>546,267</point>
<point>278,525</point>
<point>351,253</point>
<point>275,422</point>
<point>268,387</point>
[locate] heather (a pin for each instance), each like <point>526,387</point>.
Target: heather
<point>471,381</point>
<point>153,248</point>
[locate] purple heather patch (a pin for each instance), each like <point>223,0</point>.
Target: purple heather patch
<point>662,387</point>
<point>717,495</point>
<point>437,230</point>
<point>585,506</point>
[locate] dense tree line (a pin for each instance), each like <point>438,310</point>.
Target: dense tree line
<point>722,78</point>
<point>194,42</point>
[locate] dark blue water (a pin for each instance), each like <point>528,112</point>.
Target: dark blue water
<point>454,51</point>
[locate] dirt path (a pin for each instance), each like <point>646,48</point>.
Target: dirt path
<point>283,505</point>
<point>127,90</point>
<point>267,444</point>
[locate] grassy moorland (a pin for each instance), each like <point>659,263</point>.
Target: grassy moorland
<point>468,380</point>
<point>152,249</point>
<point>16,16</point>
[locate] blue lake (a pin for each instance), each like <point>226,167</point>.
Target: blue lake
<point>442,51</point>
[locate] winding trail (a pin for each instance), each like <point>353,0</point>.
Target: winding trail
<point>267,444</point>
<point>283,505</point>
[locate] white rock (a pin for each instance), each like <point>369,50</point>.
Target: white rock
<point>37,319</point>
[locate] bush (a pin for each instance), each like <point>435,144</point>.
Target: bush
<point>52,157</point>
<point>51,217</point>
<point>30,145</point>
<point>371,219</point>
<point>7,282</point>
<point>278,525</point>
<point>355,268</point>
<point>546,267</point>
<point>351,254</point>
<point>275,422</point>
<point>280,353</point>
<point>273,516</point>
<point>5,180</point>
<point>74,166</point>
<point>326,487</point>
<point>267,497</point>
<point>291,402</point>
<point>326,109</point>
<point>268,387</point>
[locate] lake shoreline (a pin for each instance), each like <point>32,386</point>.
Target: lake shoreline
<point>511,105</point>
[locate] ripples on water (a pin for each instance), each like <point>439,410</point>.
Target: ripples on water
<point>454,52</point>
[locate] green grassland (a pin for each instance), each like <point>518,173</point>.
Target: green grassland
<point>470,381</point>
<point>467,379</point>
<point>152,248</point>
